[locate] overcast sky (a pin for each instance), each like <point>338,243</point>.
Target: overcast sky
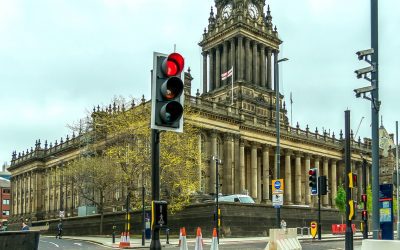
<point>59,58</point>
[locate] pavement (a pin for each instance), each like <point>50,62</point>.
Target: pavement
<point>136,241</point>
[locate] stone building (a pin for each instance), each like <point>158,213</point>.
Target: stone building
<point>237,116</point>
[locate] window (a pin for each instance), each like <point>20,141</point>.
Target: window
<point>6,212</point>
<point>6,191</point>
<point>6,202</point>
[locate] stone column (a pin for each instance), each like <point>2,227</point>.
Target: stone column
<point>211,184</point>
<point>307,195</point>
<point>227,185</point>
<point>248,60</point>
<point>242,176</point>
<point>255,64</point>
<point>217,67</point>
<point>199,160</point>
<point>233,57</point>
<point>262,66</point>
<point>240,60</point>
<point>204,71</point>
<point>325,198</point>
<point>259,178</point>
<point>297,179</point>
<point>236,159</point>
<point>265,161</point>
<point>224,61</point>
<point>333,182</point>
<point>211,84</point>
<point>253,182</point>
<point>288,177</point>
<point>269,69</point>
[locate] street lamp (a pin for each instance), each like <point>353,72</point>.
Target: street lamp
<point>277,124</point>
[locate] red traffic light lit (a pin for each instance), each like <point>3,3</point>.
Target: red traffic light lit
<point>173,64</point>
<point>312,172</point>
<point>364,198</point>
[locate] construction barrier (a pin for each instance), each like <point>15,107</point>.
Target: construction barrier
<point>341,228</point>
<point>283,239</point>
<point>125,240</point>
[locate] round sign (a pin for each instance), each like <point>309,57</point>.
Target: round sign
<point>277,184</point>
<point>313,225</point>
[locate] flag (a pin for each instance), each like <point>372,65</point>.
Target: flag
<point>227,74</point>
<point>291,100</point>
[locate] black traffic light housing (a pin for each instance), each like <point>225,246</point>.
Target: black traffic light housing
<point>167,93</point>
<point>323,188</point>
<point>313,180</point>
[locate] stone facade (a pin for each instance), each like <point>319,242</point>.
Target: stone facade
<point>237,117</point>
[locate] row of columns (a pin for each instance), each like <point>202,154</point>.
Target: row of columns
<point>246,166</point>
<point>24,188</point>
<point>251,61</point>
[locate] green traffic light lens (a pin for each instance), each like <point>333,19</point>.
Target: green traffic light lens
<point>171,112</point>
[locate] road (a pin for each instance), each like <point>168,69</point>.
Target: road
<point>51,243</point>
<point>328,245</point>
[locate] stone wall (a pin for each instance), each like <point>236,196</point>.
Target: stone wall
<point>236,219</point>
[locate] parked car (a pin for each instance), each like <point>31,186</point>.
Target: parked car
<point>241,198</point>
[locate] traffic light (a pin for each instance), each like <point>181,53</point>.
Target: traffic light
<point>323,185</point>
<point>352,180</point>
<point>167,97</point>
<point>313,180</point>
<point>364,198</point>
<point>352,213</point>
<point>364,215</point>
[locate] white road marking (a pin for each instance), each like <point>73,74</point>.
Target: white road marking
<point>50,243</point>
<point>79,244</point>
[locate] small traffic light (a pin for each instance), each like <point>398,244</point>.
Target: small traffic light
<point>364,198</point>
<point>352,212</point>
<point>364,215</point>
<point>352,180</point>
<point>313,180</point>
<point>167,96</point>
<point>323,182</point>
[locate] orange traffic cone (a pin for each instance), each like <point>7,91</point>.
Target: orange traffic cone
<point>199,240</point>
<point>214,242</point>
<point>183,245</point>
<point>180,237</point>
<point>124,240</point>
<point>128,240</point>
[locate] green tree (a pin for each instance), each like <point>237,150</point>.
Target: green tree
<point>340,201</point>
<point>93,180</point>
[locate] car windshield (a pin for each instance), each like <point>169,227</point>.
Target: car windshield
<point>246,200</point>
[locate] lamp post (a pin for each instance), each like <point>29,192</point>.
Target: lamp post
<point>277,124</point>
<point>217,221</point>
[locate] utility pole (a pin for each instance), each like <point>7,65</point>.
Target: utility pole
<point>319,209</point>
<point>375,103</point>
<point>217,213</point>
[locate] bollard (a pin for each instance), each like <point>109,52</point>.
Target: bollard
<point>113,234</point>
<point>167,233</point>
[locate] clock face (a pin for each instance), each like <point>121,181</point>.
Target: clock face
<point>226,11</point>
<point>253,11</point>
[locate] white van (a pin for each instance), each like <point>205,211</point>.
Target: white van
<point>241,198</point>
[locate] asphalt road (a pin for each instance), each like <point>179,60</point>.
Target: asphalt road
<point>328,245</point>
<point>51,243</point>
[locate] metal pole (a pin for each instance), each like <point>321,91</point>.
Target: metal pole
<point>155,183</point>
<point>375,120</point>
<point>347,160</point>
<point>364,183</point>
<point>319,209</point>
<point>398,179</point>
<point>143,215</point>
<point>277,126</point>
<point>216,198</point>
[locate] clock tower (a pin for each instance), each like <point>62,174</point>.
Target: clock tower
<point>240,37</point>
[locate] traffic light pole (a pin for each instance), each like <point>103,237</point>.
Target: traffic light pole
<point>155,184</point>
<point>319,209</point>
<point>347,159</point>
<point>216,197</point>
<point>364,183</point>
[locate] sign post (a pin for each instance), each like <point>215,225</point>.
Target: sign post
<point>277,193</point>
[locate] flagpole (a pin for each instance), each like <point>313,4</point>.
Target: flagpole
<point>291,109</point>
<point>233,73</point>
